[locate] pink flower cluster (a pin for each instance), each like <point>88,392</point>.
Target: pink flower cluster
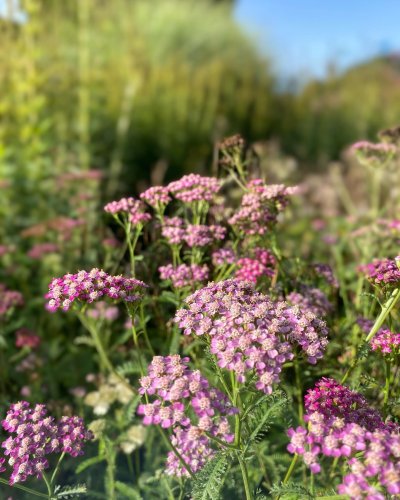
<point>104,311</point>
<point>26,338</point>
<point>383,272</point>
<point>260,207</point>
<point>386,342</point>
<point>311,299</point>
<point>186,402</point>
<point>250,334</point>
<point>223,256</point>
<point>194,235</point>
<point>9,299</point>
<point>340,423</point>
<point>133,209</point>
<point>156,196</point>
<point>251,269</point>
<point>41,249</point>
<point>34,435</point>
<point>193,187</point>
<point>91,286</point>
<point>184,275</point>
<point>372,154</point>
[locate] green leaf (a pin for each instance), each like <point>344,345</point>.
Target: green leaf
<point>209,481</point>
<point>70,491</point>
<point>291,491</point>
<point>127,491</point>
<point>89,462</point>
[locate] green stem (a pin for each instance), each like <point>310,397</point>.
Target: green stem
<point>48,485</point>
<point>289,471</point>
<point>245,476</point>
<point>54,475</point>
<point>386,309</point>
<point>24,488</point>
<point>299,391</point>
<point>387,387</point>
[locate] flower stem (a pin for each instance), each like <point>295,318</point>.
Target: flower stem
<point>387,387</point>
<point>289,471</point>
<point>245,476</point>
<point>299,391</point>
<point>386,309</point>
<point>24,488</point>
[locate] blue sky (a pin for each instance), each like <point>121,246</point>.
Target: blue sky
<point>303,36</point>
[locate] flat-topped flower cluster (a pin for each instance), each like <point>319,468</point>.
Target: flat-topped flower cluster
<point>34,435</point>
<point>250,334</point>
<point>341,423</point>
<point>91,286</point>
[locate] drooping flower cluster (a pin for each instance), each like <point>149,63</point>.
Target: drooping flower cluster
<point>133,209</point>
<point>341,423</point>
<point>9,299</point>
<point>312,299</point>
<point>260,207</point>
<point>156,196</point>
<point>193,187</point>
<point>91,286</point>
<point>26,338</point>
<point>177,232</point>
<point>184,275</point>
<point>251,269</point>
<point>386,342</point>
<point>383,272</point>
<point>185,402</point>
<point>249,333</point>
<point>34,435</point>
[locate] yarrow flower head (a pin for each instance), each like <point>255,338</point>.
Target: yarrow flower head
<point>133,209</point>
<point>156,196</point>
<point>261,264</point>
<point>193,187</point>
<point>9,299</point>
<point>250,334</point>
<point>184,401</point>
<point>374,155</point>
<point>175,230</point>
<point>325,271</point>
<point>184,275</point>
<point>33,435</point>
<point>103,310</point>
<point>342,424</point>
<point>223,256</point>
<point>383,272</point>
<point>91,286</point>
<point>386,342</point>
<point>260,207</point>
<point>312,299</point>
<point>41,249</point>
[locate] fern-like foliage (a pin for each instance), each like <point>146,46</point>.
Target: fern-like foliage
<point>127,491</point>
<point>291,491</point>
<point>66,492</point>
<point>209,481</point>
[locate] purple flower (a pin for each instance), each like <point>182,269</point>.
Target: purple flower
<point>184,275</point>
<point>34,435</point>
<point>91,286</point>
<point>382,272</point>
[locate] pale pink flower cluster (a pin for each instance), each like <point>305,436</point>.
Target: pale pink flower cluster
<point>133,209</point>
<point>156,196</point>
<point>184,275</point>
<point>177,232</point>
<point>193,187</point>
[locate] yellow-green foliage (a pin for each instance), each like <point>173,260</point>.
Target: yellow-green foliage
<point>129,82</point>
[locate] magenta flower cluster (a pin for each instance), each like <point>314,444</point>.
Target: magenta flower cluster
<point>341,423</point>
<point>386,342</point>
<point>156,196</point>
<point>311,299</point>
<point>177,232</point>
<point>184,275</point>
<point>91,286</point>
<point>251,269</point>
<point>383,272</point>
<point>249,333</point>
<point>193,188</point>
<point>184,401</point>
<point>26,338</point>
<point>9,299</point>
<point>34,435</point>
<point>133,209</point>
<point>260,207</point>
